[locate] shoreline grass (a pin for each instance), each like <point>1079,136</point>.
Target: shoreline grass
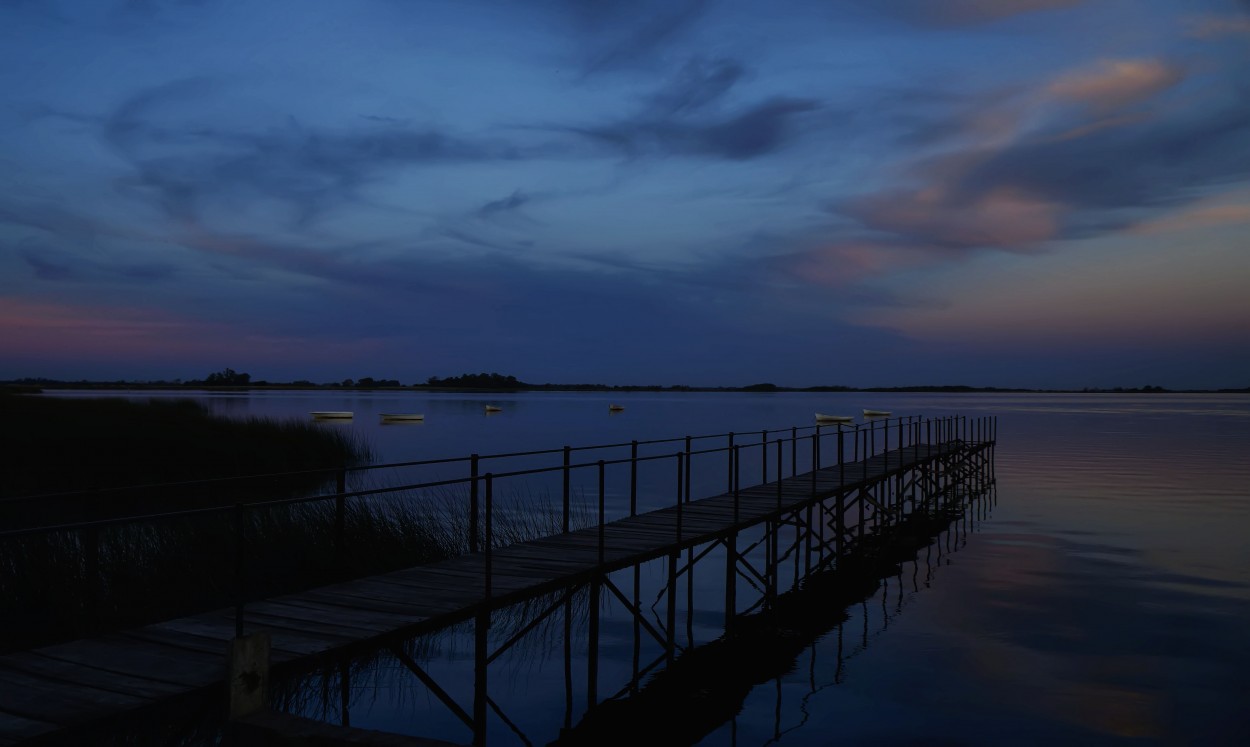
<point>62,584</point>
<point>54,445</point>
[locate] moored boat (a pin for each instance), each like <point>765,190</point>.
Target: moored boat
<point>402,417</point>
<point>493,408</point>
<point>615,408</point>
<point>823,418</point>
<point>877,413</point>
<point>331,414</point>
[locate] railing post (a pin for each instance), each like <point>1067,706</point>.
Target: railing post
<point>763,457</point>
<point>841,461</point>
<point>885,448</point>
<point>737,478</point>
<point>729,484</point>
<point>340,529</point>
<point>840,524</point>
<point>680,481</point>
<point>564,521</point>
<point>794,451</point>
<point>816,461</point>
<point>601,512</point>
<point>240,570</point>
<point>633,478</point>
<point>473,504</point>
<point>815,466</point>
<point>90,539</point>
<point>688,470</point>
<point>780,452</point>
<point>340,516</point>
<point>489,540</point>
<point>863,462</point>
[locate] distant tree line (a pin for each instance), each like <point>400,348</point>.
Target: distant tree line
<point>477,381</point>
<point>228,377</point>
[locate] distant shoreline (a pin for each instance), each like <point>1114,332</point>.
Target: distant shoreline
<point>35,386</point>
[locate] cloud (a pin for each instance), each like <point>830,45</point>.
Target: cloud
<point>44,268</point>
<point>624,34</point>
<point>698,84</point>
<point>965,12</point>
<point>1014,173</point>
<point>510,203</point>
<point>1113,84</point>
<point>1003,217</point>
<point>1147,164</point>
<point>846,263</point>
<point>1219,211</point>
<point>1216,27</point>
<point>177,166</point>
<point>755,131</point>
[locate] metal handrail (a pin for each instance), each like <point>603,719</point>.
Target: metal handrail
<point>361,467</point>
<point>868,428</point>
<point>910,430</point>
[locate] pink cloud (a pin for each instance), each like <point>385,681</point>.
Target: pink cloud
<point>1005,217</point>
<point>841,264</point>
<point>1113,84</point>
<point>1206,214</point>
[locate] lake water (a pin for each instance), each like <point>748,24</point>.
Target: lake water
<point>1104,598</point>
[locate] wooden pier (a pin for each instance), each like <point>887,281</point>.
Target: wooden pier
<point>56,693</point>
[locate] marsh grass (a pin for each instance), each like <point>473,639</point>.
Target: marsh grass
<point>66,584</point>
<point>104,448</point>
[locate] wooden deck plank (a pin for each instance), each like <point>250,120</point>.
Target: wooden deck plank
<point>339,613</point>
<point>60,703</point>
<point>15,729</point>
<point>56,671</point>
<point>162,663</point>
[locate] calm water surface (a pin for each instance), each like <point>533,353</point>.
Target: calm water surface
<point>1104,599</point>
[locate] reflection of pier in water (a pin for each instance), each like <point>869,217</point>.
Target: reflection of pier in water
<point>785,587</point>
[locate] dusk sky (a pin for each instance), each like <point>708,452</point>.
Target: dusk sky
<point>1016,193</point>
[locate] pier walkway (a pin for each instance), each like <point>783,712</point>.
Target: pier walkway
<point>62,689</point>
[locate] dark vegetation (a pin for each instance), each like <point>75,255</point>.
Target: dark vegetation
<point>140,460</point>
<point>53,444</point>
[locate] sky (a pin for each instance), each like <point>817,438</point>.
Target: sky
<point>1012,193</point>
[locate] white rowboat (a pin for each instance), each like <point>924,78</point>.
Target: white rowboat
<point>492,408</point>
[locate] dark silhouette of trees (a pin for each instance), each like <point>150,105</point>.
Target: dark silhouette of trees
<point>369,382</point>
<point>227,377</point>
<point>477,381</point>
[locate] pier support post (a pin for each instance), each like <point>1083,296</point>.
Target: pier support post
<point>247,671</point>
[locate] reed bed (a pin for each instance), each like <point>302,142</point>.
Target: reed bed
<point>64,584</point>
<point>141,457</point>
<point>56,445</point>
